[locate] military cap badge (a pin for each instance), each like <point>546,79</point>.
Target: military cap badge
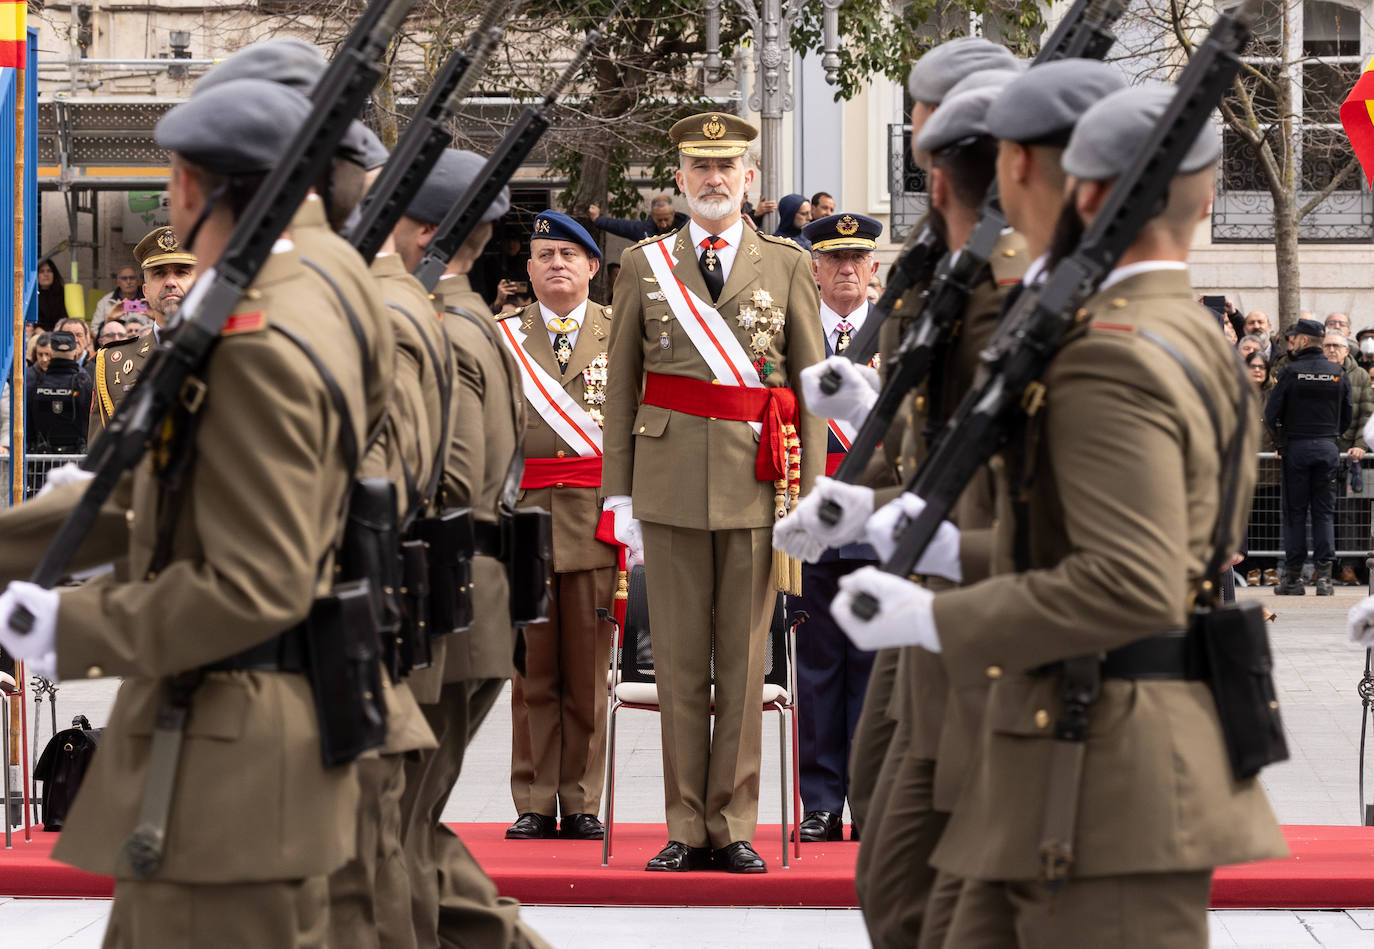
<point>713,128</point>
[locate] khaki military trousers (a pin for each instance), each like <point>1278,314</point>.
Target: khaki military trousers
<point>1138,911</point>
<point>453,902</point>
<point>872,735</point>
<point>705,588</point>
<point>369,897</point>
<point>939,915</point>
<point>284,915</point>
<point>558,707</point>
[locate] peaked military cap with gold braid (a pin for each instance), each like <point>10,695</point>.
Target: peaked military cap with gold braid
<point>161,246</point>
<point>712,135</point>
<point>843,231</point>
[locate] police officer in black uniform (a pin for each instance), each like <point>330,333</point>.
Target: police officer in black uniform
<point>59,401</point>
<point>1308,409</point>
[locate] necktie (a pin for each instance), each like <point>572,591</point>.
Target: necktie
<point>845,328</point>
<point>711,270</point>
<point>562,345</point>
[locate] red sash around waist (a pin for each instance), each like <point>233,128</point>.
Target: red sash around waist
<point>774,407</point>
<point>581,472</point>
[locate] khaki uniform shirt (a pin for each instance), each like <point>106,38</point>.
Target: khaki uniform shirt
<point>1122,501</point>
<point>575,511</point>
<point>685,470</point>
<point>114,370</point>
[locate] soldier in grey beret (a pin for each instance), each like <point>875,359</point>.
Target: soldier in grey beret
<point>237,128</point>
<point>1032,118</point>
<point>963,114</point>
<point>1113,132</point>
<point>935,73</point>
<point>454,173</point>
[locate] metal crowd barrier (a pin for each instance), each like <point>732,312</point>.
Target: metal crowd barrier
<point>1264,534</point>
<point>36,468</point>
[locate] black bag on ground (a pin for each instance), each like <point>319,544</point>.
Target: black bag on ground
<point>62,767</point>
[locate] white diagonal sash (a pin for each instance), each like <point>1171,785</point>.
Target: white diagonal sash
<point>570,421</point>
<point>843,431</point>
<point>704,325</point>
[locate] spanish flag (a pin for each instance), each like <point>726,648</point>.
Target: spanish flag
<point>13,32</point>
<point>1357,117</point>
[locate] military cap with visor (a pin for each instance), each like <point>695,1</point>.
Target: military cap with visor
<point>712,135</point>
<point>843,231</point>
<point>241,127</point>
<point>941,69</point>
<point>1042,106</point>
<point>962,117</point>
<point>160,246</point>
<point>295,63</point>
<point>552,226</point>
<point>451,176</point>
<point>1113,131</point>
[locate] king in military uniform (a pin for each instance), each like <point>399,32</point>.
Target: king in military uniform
<point>718,322</point>
<point>558,706</point>
<point>168,272</point>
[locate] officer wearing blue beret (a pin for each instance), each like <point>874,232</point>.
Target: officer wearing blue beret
<point>558,706</point>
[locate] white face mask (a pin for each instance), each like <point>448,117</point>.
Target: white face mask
<point>1367,346</point>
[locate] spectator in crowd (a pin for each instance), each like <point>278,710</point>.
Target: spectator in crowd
<point>1251,344</point>
<point>1264,530</point>
<point>52,301</point>
<point>1227,329</point>
<point>57,404</point>
<point>1308,409</point>
<point>129,286</point>
<point>1257,324</point>
<point>612,275</point>
<point>511,295</point>
<point>794,213</point>
<point>1336,348</point>
<point>662,220</point>
<point>40,352</point>
<point>755,213</point>
<point>1364,348</point>
<point>1339,322</point>
<point>875,290</point>
<point>111,331</point>
<point>85,347</point>
<point>822,205</point>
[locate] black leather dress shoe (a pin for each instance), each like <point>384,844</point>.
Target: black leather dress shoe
<point>581,827</point>
<point>739,857</point>
<point>678,858</point>
<point>821,825</point>
<point>532,826</point>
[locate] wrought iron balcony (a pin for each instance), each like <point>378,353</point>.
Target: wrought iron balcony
<point>906,183</point>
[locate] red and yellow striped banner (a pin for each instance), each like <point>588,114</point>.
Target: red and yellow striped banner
<point>13,32</point>
<point>1357,117</point>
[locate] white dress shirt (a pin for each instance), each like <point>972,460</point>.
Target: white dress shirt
<point>578,313</point>
<point>830,322</point>
<point>732,236</point>
<point>1140,267</point>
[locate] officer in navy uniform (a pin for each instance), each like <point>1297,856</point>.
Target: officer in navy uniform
<point>832,673</point>
<point>59,401</point>
<point>1307,411</point>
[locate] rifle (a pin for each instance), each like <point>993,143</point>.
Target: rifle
<point>1083,33</point>
<point>462,219</point>
<point>1033,331</point>
<point>338,98</point>
<point>427,135</point>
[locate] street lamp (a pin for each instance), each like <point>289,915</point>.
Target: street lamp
<point>772,46</point>
<point>180,41</point>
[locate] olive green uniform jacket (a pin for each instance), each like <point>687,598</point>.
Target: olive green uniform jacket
<point>1122,503</point>
<point>685,470</point>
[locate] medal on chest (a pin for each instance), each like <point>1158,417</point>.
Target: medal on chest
<point>762,321</point>
<point>594,393</point>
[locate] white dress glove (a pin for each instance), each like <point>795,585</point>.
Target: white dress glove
<point>38,646</point>
<point>941,557</point>
<point>904,616</point>
<point>803,533</point>
<point>1360,622</point>
<point>70,473</point>
<point>626,528</point>
<point>857,392</point>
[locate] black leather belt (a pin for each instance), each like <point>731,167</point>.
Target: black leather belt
<point>487,538</point>
<point>1173,655</point>
<point>283,653</point>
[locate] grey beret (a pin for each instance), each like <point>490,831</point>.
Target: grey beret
<point>239,127</point>
<point>286,60</point>
<point>297,64</point>
<point>1112,132</point>
<point>964,114</point>
<point>1044,104</point>
<point>455,171</point>
<point>939,70</point>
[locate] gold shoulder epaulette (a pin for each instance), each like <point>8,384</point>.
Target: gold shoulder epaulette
<point>1009,260</point>
<point>606,311</point>
<point>650,239</point>
<point>774,238</point>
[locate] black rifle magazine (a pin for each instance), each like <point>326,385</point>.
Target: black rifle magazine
<point>345,673</point>
<point>415,652</point>
<point>529,545</point>
<point>1236,643</point>
<point>450,544</point>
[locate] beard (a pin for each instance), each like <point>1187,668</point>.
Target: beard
<point>1068,232</point>
<point>714,206</point>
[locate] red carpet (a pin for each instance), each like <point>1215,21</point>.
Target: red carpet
<point>1331,867</point>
